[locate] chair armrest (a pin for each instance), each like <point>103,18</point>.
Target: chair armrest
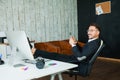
<point>81,58</point>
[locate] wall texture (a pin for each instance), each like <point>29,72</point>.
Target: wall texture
<point>42,20</point>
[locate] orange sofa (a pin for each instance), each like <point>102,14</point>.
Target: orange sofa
<point>60,46</point>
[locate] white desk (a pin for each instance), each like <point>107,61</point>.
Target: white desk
<point>11,73</point>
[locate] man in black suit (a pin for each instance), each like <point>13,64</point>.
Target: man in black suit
<point>88,50</point>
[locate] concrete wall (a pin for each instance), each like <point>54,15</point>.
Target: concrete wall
<point>42,20</point>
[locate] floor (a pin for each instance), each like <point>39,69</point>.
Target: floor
<point>103,69</point>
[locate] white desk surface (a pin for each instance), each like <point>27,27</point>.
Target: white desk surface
<point>11,73</point>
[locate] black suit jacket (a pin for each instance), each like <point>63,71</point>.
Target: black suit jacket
<point>88,50</point>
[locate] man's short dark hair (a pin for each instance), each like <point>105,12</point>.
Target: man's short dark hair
<point>96,25</point>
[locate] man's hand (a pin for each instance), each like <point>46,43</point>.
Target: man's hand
<point>72,41</point>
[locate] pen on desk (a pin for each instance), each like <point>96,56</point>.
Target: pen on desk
<point>51,64</point>
<point>24,68</point>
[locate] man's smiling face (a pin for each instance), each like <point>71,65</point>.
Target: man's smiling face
<point>93,32</point>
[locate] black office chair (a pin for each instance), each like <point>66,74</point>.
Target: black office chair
<point>84,68</point>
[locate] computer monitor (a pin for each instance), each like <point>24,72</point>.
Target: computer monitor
<point>18,41</point>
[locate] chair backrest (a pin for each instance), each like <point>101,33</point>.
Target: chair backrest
<point>85,68</point>
<point>92,60</point>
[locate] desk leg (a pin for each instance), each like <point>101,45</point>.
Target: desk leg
<point>52,76</point>
<point>59,76</point>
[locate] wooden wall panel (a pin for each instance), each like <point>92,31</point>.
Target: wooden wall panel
<point>42,20</point>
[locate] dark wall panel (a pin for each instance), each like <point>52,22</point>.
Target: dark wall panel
<point>109,23</point>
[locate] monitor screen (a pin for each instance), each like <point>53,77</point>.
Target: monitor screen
<point>18,40</point>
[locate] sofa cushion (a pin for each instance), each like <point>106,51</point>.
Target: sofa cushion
<point>40,46</point>
<point>51,48</point>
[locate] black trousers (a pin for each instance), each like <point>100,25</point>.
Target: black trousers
<point>55,56</point>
